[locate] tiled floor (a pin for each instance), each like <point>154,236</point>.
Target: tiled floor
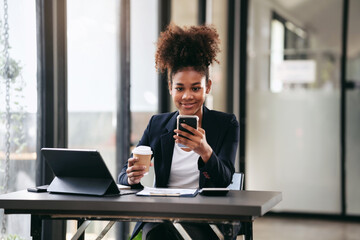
<point>280,228</point>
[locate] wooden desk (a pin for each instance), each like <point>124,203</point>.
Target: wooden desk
<point>236,206</point>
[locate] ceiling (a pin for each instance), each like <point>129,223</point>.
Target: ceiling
<point>324,19</point>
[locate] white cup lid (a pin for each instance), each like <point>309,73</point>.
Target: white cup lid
<point>142,150</point>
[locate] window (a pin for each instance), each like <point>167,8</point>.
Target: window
<point>23,106</point>
<point>93,65</point>
<point>143,75</point>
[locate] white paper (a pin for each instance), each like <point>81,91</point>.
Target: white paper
<point>172,192</point>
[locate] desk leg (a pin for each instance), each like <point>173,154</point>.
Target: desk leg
<point>105,230</point>
<point>36,225</point>
<point>248,230</point>
<point>79,223</point>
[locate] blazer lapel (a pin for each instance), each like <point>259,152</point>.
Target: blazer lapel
<point>167,149</point>
<point>211,127</point>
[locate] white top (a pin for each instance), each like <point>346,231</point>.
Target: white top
<point>184,171</point>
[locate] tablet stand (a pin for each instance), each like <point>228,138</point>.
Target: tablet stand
<point>85,186</point>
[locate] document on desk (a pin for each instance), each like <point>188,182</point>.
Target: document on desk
<point>168,192</point>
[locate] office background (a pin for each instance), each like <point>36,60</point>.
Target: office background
<point>84,77</point>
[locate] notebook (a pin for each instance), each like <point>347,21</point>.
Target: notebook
<point>79,171</point>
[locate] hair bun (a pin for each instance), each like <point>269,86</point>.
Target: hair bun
<point>195,46</point>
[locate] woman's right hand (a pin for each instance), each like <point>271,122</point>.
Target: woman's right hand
<point>134,172</point>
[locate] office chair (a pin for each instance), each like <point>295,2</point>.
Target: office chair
<point>237,182</point>
<point>226,231</point>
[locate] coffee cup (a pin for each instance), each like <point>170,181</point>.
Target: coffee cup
<point>143,153</point>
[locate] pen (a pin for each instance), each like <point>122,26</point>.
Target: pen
<point>165,194</point>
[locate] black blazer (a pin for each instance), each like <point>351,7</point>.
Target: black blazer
<point>222,134</point>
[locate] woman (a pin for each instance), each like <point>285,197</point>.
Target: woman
<point>208,161</point>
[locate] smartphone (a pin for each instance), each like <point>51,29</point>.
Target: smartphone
<point>38,189</point>
<point>191,120</point>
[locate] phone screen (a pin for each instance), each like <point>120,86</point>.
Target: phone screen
<point>191,120</point>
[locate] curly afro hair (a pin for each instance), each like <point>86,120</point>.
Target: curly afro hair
<point>179,48</point>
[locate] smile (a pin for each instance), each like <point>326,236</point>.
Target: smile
<point>187,105</point>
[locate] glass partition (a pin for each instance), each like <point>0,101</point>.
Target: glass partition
<point>293,103</point>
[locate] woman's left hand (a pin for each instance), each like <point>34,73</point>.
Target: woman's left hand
<point>196,142</point>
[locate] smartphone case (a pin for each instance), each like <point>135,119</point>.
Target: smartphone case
<point>191,120</point>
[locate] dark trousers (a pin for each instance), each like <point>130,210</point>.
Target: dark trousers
<point>166,231</point>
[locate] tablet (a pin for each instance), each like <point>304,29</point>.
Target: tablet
<point>79,171</point>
